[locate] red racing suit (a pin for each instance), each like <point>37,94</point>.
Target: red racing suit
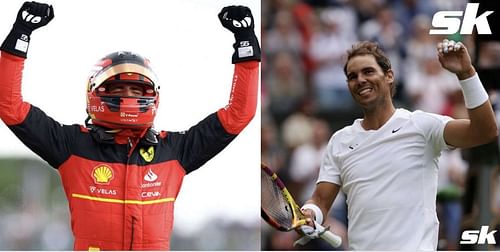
<point>121,196</point>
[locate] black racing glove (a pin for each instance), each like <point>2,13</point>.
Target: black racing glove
<point>239,20</point>
<point>30,17</point>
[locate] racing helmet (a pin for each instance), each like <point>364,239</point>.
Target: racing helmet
<point>115,111</point>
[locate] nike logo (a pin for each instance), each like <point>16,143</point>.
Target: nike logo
<point>396,130</point>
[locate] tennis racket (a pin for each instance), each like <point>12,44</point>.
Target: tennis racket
<point>278,208</point>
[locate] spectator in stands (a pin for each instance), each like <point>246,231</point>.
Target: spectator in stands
<point>429,86</point>
<point>286,86</point>
<point>327,50</point>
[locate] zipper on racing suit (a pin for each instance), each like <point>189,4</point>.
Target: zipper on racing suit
<point>126,216</point>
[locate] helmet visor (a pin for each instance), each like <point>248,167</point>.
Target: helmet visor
<point>128,104</point>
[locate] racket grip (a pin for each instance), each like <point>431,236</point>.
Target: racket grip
<point>328,236</point>
<point>331,238</point>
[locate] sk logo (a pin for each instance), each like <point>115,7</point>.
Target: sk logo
<point>147,155</point>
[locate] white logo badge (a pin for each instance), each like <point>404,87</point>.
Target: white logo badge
<point>150,176</point>
<point>478,236</point>
<point>449,22</point>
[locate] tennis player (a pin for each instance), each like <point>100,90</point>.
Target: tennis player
<point>386,162</point>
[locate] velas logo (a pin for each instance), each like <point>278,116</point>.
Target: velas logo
<point>103,191</point>
<point>102,174</point>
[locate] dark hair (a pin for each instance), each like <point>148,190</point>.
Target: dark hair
<point>370,48</point>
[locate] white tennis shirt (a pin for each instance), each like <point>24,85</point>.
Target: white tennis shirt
<point>390,178</point>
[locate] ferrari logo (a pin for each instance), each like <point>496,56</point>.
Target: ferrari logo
<point>147,155</point>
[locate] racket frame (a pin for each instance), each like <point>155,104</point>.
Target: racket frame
<point>298,219</point>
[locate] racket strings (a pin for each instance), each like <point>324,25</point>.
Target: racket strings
<point>274,203</point>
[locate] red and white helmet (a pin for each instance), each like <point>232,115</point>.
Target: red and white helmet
<point>113,111</point>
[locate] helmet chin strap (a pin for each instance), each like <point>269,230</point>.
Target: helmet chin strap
<point>87,121</point>
<point>130,136</point>
<point>114,131</point>
<point>122,135</point>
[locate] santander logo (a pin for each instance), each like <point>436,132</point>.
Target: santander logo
<point>150,176</point>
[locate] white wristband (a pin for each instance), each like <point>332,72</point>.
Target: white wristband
<point>318,215</point>
<point>474,92</point>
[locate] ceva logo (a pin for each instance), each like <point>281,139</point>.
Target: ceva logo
<point>450,22</point>
<point>479,236</point>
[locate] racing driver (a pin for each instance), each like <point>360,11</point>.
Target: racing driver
<point>111,163</point>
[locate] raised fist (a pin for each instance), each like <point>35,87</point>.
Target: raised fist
<point>33,15</point>
<point>237,19</point>
<point>30,17</point>
<point>455,58</point>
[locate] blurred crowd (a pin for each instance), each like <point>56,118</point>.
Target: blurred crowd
<point>305,97</point>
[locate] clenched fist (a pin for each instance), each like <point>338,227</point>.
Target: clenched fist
<point>31,16</point>
<point>455,58</point>
<point>239,20</point>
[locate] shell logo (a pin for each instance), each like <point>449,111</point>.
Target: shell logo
<point>102,174</point>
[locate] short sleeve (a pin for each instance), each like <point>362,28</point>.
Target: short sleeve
<point>432,126</point>
<point>329,170</point>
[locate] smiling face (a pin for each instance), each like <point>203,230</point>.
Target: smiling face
<point>369,85</point>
